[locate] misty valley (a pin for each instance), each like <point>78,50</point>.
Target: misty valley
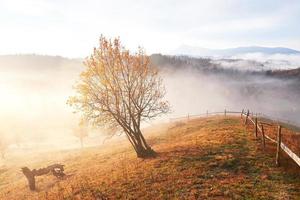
<point>35,88</point>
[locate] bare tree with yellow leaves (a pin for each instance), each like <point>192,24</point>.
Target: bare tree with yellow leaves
<point>119,90</point>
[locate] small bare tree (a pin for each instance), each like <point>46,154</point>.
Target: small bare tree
<point>81,132</point>
<point>118,90</point>
<point>3,147</point>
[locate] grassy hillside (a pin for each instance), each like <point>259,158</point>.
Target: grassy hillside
<point>209,158</point>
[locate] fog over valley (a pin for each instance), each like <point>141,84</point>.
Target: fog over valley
<point>35,89</point>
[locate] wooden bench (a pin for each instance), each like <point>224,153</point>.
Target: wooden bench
<point>56,169</point>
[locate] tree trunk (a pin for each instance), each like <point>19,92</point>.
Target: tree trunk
<point>138,142</point>
<point>143,150</point>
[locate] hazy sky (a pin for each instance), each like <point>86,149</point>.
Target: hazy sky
<point>72,27</point>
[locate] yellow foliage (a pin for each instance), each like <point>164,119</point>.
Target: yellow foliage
<point>118,90</point>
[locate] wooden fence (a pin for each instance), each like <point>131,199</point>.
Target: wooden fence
<point>187,117</point>
<point>259,126</point>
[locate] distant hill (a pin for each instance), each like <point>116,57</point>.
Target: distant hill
<point>231,67</point>
<point>38,70</point>
<point>292,73</point>
<point>198,51</point>
<point>38,62</point>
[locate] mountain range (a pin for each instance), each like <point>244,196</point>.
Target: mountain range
<point>199,51</point>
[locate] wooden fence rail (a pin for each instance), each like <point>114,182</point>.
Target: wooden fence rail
<point>204,114</point>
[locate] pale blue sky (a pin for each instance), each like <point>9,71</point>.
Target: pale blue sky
<point>72,27</point>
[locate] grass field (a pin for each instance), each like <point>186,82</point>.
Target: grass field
<point>207,158</point>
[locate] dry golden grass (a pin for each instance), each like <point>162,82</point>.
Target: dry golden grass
<point>208,158</point>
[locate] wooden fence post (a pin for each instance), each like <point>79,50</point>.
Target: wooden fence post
<point>188,117</point>
<point>256,127</point>
<point>278,146</point>
<point>30,177</point>
<point>242,114</point>
<point>263,136</point>
<point>225,112</point>
<point>247,117</point>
